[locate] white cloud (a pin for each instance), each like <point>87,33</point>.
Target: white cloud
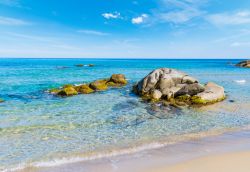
<point>179,11</point>
<point>12,21</point>
<point>240,44</point>
<point>235,18</point>
<point>93,32</point>
<point>114,15</point>
<point>10,3</point>
<point>140,19</point>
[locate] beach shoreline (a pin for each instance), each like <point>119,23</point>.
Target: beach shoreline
<point>172,157</point>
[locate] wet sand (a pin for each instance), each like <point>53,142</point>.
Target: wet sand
<point>229,162</point>
<point>230,150</point>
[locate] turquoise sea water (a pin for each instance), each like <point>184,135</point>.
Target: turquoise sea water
<point>37,127</point>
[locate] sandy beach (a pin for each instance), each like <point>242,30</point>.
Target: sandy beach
<point>227,152</point>
<point>229,162</point>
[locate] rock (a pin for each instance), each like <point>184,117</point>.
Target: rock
<point>156,94</point>
<point>99,85</point>
<point>54,91</point>
<point>118,79</point>
<point>68,91</point>
<point>84,89</point>
<point>170,82</point>
<point>177,88</point>
<point>1,100</point>
<point>91,65</point>
<point>213,93</point>
<point>68,85</point>
<point>79,65</point>
<point>245,64</point>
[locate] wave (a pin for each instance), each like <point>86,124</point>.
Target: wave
<point>243,81</point>
<point>118,152</point>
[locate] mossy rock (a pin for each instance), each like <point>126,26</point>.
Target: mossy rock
<point>69,91</point>
<point>79,65</point>
<point>1,100</point>
<point>68,85</point>
<point>99,85</point>
<point>183,98</point>
<point>84,89</point>
<point>55,91</point>
<point>197,100</point>
<point>118,79</point>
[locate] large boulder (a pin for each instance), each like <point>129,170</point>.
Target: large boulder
<point>245,64</point>
<point>168,84</point>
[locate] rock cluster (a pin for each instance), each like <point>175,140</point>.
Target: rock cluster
<point>245,64</point>
<point>172,85</point>
<point>116,80</point>
<point>82,65</point>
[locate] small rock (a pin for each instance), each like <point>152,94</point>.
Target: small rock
<point>245,64</point>
<point>99,85</point>
<point>69,91</point>
<point>156,94</point>
<point>84,89</point>
<point>79,65</point>
<point>118,79</point>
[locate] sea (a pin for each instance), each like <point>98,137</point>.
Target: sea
<point>38,129</point>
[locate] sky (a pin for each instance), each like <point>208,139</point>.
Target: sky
<point>125,28</point>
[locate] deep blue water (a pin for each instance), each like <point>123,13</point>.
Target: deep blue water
<point>36,126</point>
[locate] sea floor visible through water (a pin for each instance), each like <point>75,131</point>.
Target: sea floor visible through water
<point>38,129</point>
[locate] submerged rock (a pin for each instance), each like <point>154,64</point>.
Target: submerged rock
<point>91,65</point>
<point>79,65</point>
<point>177,88</point>
<point>245,64</point>
<point>1,100</point>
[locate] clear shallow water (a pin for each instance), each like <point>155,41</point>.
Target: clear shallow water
<point>36,126</point>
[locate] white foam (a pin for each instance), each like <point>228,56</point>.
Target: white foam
<point>243,81</point>
<point>69,160</point>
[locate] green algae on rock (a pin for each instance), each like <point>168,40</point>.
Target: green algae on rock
<point>116,80</point>
<point>99,85</point>
<point>177,88</point>
<point>79,65</point>
<point>84,89</point>
<point>68,91</point>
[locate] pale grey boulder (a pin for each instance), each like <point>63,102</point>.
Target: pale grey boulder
<point>173,85</point>
<point>169,82</point>
<point>213,93</point>
<point>156,94</point>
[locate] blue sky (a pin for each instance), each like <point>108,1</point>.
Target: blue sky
<point>125,29</point>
